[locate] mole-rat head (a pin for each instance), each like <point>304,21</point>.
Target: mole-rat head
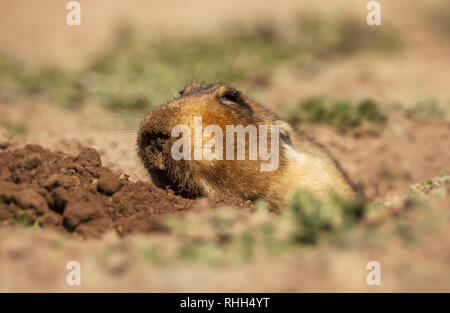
<point>187,165</point>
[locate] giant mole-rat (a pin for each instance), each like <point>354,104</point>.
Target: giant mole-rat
<point>301,162</point>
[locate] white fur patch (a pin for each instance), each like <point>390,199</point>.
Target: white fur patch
<point>294,154</point>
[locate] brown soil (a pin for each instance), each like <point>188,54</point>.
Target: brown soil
<point>79,196</point>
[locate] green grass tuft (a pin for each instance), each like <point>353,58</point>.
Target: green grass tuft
<point>15,128</point>
<point>205,252</point>
<point>428,109</point>
<point>315,217</point>
<point>148,253</point>
<point>24,219</point>
<point>335,112</point>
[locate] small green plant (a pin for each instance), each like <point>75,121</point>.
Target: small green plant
<point>148,253</point>
<point>342,36</point>
<point>19,79</point>
<point>427,109</point>
<point>36,224</point>
<point>23,219</point>
<point>335,112</point>
<point>315,217</point>
<point>197,251</point>
<point>15,128</point>
<point>247,242</point>
<point>58,244</point>
<point>260,205</point>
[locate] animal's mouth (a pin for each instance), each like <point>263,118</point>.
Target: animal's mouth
<point>154,152</point>
<point>156,155</point>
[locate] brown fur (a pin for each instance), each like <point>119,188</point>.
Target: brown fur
<point>302,162</point>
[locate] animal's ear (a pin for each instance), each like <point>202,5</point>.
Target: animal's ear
<point>229,94</point>
<point>285,130</point>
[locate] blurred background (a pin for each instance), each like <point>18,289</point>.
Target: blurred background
<point>377,97</point>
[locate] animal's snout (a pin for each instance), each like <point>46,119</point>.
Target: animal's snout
<point>154,142</point>
<point>152,149</point>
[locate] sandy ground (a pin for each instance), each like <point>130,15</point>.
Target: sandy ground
<point>406,151</point>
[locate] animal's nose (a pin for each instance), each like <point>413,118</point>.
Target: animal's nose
<point>154,143</point>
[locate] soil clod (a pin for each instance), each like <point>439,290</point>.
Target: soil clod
<point>79,196</point>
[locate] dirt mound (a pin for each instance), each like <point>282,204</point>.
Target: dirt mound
<point>80,196</point>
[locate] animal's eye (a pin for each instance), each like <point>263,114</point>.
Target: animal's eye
<point>181,92</point>
<point>232,96</point>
